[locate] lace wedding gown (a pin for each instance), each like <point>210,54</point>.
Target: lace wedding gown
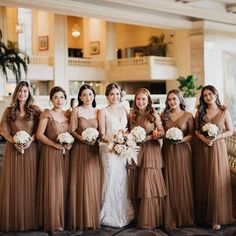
<point>117,210</point>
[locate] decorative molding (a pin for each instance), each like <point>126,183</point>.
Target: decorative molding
<point>195,32</point>
<point>213,32</point>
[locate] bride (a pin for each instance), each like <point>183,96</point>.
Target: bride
<point>116,210</point>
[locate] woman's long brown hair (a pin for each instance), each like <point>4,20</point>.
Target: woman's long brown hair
<point>30,109</point>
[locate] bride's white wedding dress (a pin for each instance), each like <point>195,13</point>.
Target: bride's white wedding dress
<point>117,210</point>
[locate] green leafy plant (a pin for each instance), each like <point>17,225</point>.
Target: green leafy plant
<point>188,85</point>
<point>13,59</point>
<point>158,45</point>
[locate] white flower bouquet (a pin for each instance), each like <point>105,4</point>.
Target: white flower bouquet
<point>124,146</point>
<point>21,138</point>
<point>210,130</point>
<point>139,134</point>
<point>174,135</point>
<point>65,139</point>
<point>90,135</point>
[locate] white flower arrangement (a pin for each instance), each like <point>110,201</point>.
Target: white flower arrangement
<point>124,146</point>
<point>210,130</point>
<point>139,134</point>
<point>64,139</point>
<point>90,135</point>
<point>174,135</point>
<point>21,138</point>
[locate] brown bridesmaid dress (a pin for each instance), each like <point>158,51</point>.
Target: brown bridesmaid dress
<point>213,193</point>
<point>151,185</point>
<point>19,178</point>
<point>179,205</point>
<point>53,178</point>
<point>85,186</point>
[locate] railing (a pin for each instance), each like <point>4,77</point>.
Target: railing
<point>81,62</point>
<point>41,60</point>
<point>141,61</point>
<point>163,60</point>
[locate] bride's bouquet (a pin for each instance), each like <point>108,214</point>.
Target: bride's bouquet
<point>210,130</point>
<point>124,146</point>
<point>174,135</point>
<point>21,138</point>
<point>65,139</point>
<point>139,134</point>
<point>90,135</point>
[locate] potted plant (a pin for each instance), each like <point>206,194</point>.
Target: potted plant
<point>158,46</point>
<point>11,58</point>
<point>189,88</point>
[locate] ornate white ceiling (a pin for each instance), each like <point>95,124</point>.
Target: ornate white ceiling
<point>158,13</point>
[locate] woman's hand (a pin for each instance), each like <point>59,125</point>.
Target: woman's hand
<point>58,146</point>
<point>207,141</point>
<point>105,138</point>
<point>19,147</point>
<point>156,134</point>
<point>25,146</point>
<point>68,146</point>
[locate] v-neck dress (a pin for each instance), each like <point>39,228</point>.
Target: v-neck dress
<point>53,178</point>
<point>19,177</point>
<point>151,189</point>
<point>85,179</point>
<point>179,204</point>
<point>117,210</point>
<point>213,193</point>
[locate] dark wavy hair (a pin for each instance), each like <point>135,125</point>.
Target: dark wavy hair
<point>30,109</point>
<point>55,90</point>
<point>112,86</point>
<point>203,105</point>
<point>149,110</point>
<point>182,105</point>
<point>82,88</point>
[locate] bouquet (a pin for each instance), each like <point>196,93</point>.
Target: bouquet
<point>174,135</point>
<point>124,146</point>
<point>139,134</point>
<point>21,138</point>
<point>64,139</point>
<point>90,135</point>
<point>210,130</point>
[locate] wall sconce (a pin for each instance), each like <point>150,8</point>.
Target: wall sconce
<point>75,31</point>
<point>19,28</point>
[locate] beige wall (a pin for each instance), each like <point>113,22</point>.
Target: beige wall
<point>134,36</point>
<point>72,41</point>
<point>11,14</point>
<point>182,54</point>
<point>94,31</point>
<point>42,25</point>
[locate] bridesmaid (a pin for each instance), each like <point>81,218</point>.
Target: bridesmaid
<point>151,186</point>
<point>179,209</point>
<point>85,186</point>
<point>53,169</point>
<point>19,175</point>
<point>212,174</point>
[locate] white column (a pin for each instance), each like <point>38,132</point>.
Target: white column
<point>61,52</point>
